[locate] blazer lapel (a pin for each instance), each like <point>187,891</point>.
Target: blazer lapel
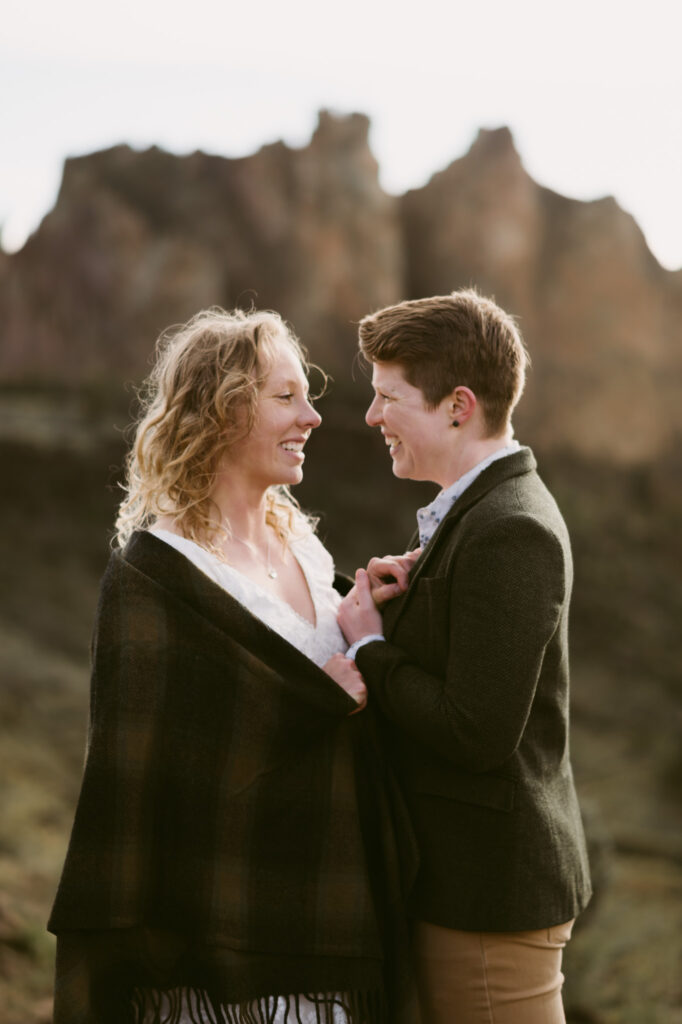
<point>496,473</point>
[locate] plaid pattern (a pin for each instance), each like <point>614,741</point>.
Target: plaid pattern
<point>473,681</point>
<point>227,795</point>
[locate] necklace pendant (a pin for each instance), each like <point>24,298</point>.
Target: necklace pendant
<point>272,574</point>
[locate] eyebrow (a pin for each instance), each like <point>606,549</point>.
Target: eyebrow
<point>381,386</point>
<point>278,384</point>
<point>386,388</point>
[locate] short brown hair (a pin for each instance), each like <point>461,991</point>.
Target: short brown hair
<point>450,340</point>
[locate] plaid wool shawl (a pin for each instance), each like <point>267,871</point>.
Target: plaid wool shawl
<point>238,836</point>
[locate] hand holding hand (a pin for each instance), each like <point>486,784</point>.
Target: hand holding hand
<point>347,675</point>
<point>389,576</point>
<point>358,615</point>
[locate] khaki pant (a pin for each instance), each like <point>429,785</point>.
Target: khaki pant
<point>490,977</point>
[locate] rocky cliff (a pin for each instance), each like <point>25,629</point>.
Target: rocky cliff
<point>139,240</point>
<point>602,319</point>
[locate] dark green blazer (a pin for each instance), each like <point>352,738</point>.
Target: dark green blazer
<point>473,684</point>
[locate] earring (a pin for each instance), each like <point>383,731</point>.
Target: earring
<point>455,423</point>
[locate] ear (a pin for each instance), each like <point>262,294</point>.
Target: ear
<point>461,404</point>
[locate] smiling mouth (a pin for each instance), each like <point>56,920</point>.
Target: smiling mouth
<point>393,444</point>
<point>294,448</point>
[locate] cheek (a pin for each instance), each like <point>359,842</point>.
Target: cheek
<point>404,428</point>
<point>415,437</point>
<point>392,418</point>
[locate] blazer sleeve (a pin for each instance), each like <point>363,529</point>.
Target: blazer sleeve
<point>503,603</point>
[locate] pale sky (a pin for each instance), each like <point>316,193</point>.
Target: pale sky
<point>591,90</point>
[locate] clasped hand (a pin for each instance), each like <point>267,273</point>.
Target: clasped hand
<point>382,580</point>
<point>344,672</point>
<point>359,615</point>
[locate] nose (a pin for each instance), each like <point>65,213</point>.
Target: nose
<point>309,417</point>
<point>373,414</point>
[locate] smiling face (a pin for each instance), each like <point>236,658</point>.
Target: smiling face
<point>272,453</point>
<point>420,439</point>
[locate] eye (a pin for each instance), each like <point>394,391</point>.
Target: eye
<point>285,396</point>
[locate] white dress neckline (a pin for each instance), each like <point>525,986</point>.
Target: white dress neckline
<point>318,640</point>
<point>270,595</point>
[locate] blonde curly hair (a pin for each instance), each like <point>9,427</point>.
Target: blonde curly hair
<point>198,401</point>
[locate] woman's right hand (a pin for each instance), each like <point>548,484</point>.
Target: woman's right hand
<point>345,672</point>
<point>389,576</point>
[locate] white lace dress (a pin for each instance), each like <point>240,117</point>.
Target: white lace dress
<point>318,641</point>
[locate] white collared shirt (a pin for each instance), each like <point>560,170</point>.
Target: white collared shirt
<point>428,518</point>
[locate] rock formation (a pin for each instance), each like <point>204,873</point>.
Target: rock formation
<point>139,240</point>
<point>602,319</point>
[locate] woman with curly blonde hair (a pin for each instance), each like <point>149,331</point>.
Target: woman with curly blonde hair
<point>239,851</point>
<point>200,401</point>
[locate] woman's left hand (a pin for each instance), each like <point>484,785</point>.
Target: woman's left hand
<point>358,615</point>
<point>347,675</point>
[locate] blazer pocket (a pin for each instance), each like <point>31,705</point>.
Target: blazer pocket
<point>434,589</point>
<point>494,791</point>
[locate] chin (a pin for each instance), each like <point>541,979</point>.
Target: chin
<point>400,471</point>
<point>408,473</point>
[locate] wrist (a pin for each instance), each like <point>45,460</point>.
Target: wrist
<point>366,639</point>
